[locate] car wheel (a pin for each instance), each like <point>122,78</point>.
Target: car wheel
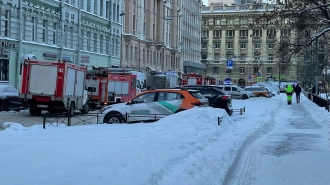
<point>85,109</point>
<point>111,118</point>
<point>4,105</point>
<point>71,109</point>
<point>244,97</point>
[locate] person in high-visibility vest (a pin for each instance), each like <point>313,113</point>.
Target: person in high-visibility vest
<point>289,92</point>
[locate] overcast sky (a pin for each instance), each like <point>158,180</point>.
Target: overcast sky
<point>205,2</point>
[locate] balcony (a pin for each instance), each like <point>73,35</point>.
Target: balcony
<point>243,38</point>
<point>217,38</point>
<point>256,38</point>
<point>229,38</point>
<point>270,38</point>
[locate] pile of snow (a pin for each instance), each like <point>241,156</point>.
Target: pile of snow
<point>10,126</point>
<point>185,148</point>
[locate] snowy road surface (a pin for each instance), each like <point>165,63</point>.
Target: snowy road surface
<point>295,150</point>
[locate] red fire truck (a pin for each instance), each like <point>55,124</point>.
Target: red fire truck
<point>193,79</point>
<point>112,85</point>
<point>53,86</point>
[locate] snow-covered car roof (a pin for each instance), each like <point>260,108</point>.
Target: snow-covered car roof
<point>2,87</point>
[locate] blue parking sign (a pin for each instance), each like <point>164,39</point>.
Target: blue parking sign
<point>229,64</point>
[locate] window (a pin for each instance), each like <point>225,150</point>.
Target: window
<point>230,22</point>
<point>117,13</point>
<point>168,96</point>
<point>217,22</point>
<point>89,5</point>
<point>216,45</point>
<point>243,56</point>
<point>107,45</point>
<point>285,32</point>
<point>230,45</point>
<point>243,21</point>
<point>65,36</point>
<point>215,70</point>
<point>88,41</point>
<point>216,56</point>
<point>95,7</point>
<point>204,22</point>
<point>101,8</point>
<point>101,44</point>
<point>217,33</point>
<point>257,45</point>
<point>270,45</point>
<point>270,57</point>
<point>243,45</point>
<point>230,33</point>
<point>136,55</point>
<point>4,70</point>
<point>144,98</point>
<point>257,33</point>
<point>71,37</point>
<point>205,34</point>
<point>54,33</point>
<point>113,47</point>
<point>131,51</point>
<point>269,70</point>
<point>34,29</point>
<point>255,69</point>
<point>256,56</point>
<point>107,9</point>
<point>113,12</point>
<point>82,40</point>
<point>204,56</point>
<point>133,24</point>
<point>95,42</point>
<point>243,33</point>
<point>242,70</point>
<point>7,23</point>
<point>283,70</point>
<point>44,31</point>
<point>204,45</point>
<point>271,32</point>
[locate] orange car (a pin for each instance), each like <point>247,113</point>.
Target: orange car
<point>152,105</point>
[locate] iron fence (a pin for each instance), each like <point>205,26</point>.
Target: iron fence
<point>58,119</point>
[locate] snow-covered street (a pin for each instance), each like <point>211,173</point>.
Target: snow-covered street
<point>271,143</point>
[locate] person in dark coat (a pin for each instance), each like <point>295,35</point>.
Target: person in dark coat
<point>297,90</point>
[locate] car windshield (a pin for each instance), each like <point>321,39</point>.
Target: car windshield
<point>240,89</point>
<point>196,94</point>
<point>219,90</point>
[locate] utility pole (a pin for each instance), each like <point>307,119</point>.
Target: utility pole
<point>19,57</point>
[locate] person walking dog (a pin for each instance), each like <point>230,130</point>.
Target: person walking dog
<point>297,90</point>
<point>289,92</point>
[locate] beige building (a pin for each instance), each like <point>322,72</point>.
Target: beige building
<point>151,36</point>
<point>227,2</point>
<point>233,33</point>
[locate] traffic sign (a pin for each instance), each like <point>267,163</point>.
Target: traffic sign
<point>259,79</point>
<point>229,64</point>
<point>227,81</point>
<point>259,75</point>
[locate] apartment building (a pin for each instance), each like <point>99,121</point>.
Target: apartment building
<point>190,20</point>
<point>86,32</point>
<point>150,36</point>
<point>233,33</point>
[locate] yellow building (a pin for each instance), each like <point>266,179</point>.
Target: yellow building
<point>234,33</point>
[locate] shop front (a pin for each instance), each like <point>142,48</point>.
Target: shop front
<point>8,55</point>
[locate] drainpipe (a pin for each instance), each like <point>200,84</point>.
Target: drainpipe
<point>19,54</point>
<point>62,28</point>
<point>110,27</point>
<point>79,35</point>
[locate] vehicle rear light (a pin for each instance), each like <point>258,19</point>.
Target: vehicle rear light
<point>224,97</point>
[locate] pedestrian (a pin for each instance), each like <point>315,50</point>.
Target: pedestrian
<point>289,92</point>
<point>297,90</point>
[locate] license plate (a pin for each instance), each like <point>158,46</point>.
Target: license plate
<point>42,106</point>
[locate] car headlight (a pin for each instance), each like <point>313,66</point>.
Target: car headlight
<point>103,109</point>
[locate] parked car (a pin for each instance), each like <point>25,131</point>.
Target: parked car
<point>237,92</point>
<point>258,91</point>
<point>9,98</point>
<point>152,105</point>
<point>217,97</point>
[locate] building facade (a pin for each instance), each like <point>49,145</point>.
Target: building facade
<point>190,19</point>
<point>234,33</point>
<point>150,36</point>
<point>84,32</point>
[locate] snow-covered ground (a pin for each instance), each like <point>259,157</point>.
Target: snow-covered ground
<point>186,148</point>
